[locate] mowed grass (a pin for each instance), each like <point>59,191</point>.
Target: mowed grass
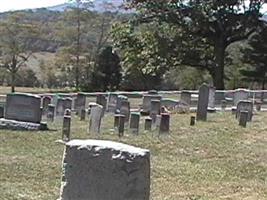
<point>212,160</point>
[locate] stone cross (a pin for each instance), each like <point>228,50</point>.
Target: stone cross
<point>104,170</point>
<point>134,122</point>
<point>95,119</point>
<point>203,100</point>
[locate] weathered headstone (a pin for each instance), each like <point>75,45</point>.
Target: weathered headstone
<point>112,102</point>
<point>240,94</point>
<point>203,100</point>
<point>105,170</point>
<point>186,97</point>
<point>95,119</point>
<point>245,105</point>
<point>121,99</point>
<point>125,110</point>
<point>102,100</point>
<point>60,108</point>
<point>146,106</point>
<point>164,123</point>
<point>46,100</point>
<point>192,120</point>
<point>158,121</point>
<point>2,111</point>
<point>211,104</point>
<point>148,124</point>
<point>68,103</point>
<point>23,107</point>
<point>121,125</point>
<point>82,114</point>
<point>80,102</point>
<point>155,109</point>
<point>66,126</point>
<point>134,122</point>
<point>258,105</point>
<point>116,120</point>
<point>243,118</point>
<point>51,113</point>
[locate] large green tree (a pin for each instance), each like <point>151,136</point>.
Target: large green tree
<point>204,24</point>
<point>256,57</point>
<point>16,37</point>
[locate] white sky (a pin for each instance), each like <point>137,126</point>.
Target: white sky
<point>7,5</point>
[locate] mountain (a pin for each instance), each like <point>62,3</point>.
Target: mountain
<point>98,5</point>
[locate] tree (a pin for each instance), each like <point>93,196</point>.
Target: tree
<point>205,24</point>
<point>256,56</point>
<point>15,38</point>
<point>107,74</point>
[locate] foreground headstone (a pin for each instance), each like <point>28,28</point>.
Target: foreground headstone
<point>148,124</point>
<point>164,123</point>
<point>95,119</point>
<point>243,118</point>
<point>134,122</point>
<point>105,170</point>
<point>245,105</point>
<point>23,107</point>
<point>203,100</point>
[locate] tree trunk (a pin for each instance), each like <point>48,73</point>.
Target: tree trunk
<point>218,73</point>
<point>13,74</point>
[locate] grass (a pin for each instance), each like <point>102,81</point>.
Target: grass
<point>212,160</point>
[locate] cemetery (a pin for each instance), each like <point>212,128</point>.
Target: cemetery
<point>205,144</point>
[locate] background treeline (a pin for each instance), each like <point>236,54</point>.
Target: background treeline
<point>155,45</point>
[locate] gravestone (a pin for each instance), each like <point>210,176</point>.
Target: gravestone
<point>155,109</point>
<point>117,120</point>
<point>211,104</point>
<point>203,100</point>
<point>102,100</point>
<point>104,170</point>
<point>51,113</point>
<point>240,94</point>
<point>112,102</point>
<point>121,125</point>
<point>120,100</point>
<point>192,120</point>
<point>68,103</point>
<point>164,123</point>
<point>148,124</point>
<point>23,107</point>
<point>46,100</point>
<point>125,110</point>
<point>80,102</point>
<point>66,126</point>
<point>60,108</point>
<point>243,118</point>
<point>186,97</point>
<point>95,119</point>
<point>2,111</point>
<point>158,121</point>
<point>82,114</point>
<point>134,122</point>
<point>146,105</point>
<point>245,105</point>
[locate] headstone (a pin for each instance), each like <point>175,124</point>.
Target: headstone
<point>68,103</point>
<point>153,92</point>
<point>203,100</point>
<point>120,100</point>
<point>2,111</point>
<point>155,109</point>
<point>60,108</point>
<point>46,100</point>
<point>134,122</point>
<point>80,102</point>
<point>66,128</point>
<point>104,170</point>
<point>51,112</point>
<point>258,106</point>
<point>112,102</point>
<point>164,123</point>
<point>245,105</point>
<point>192,121</point>
<point>82,114</point>
<point>186,97</point>
<point>102,100</point>
<point>148,124</point>
<point>146,106</point>
<point>121,125</point>
<point>23,107</point>
<point>125,110</point>
<point>95,119</point>
<point>117,120</point>
<point>211,104</point>
<point>240,94</point>
<point>243,118</point>
<point>158,121</point>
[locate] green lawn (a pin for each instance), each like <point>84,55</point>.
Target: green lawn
<point>212,160</point>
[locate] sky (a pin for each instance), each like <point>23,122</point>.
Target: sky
<point>7,5</point>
